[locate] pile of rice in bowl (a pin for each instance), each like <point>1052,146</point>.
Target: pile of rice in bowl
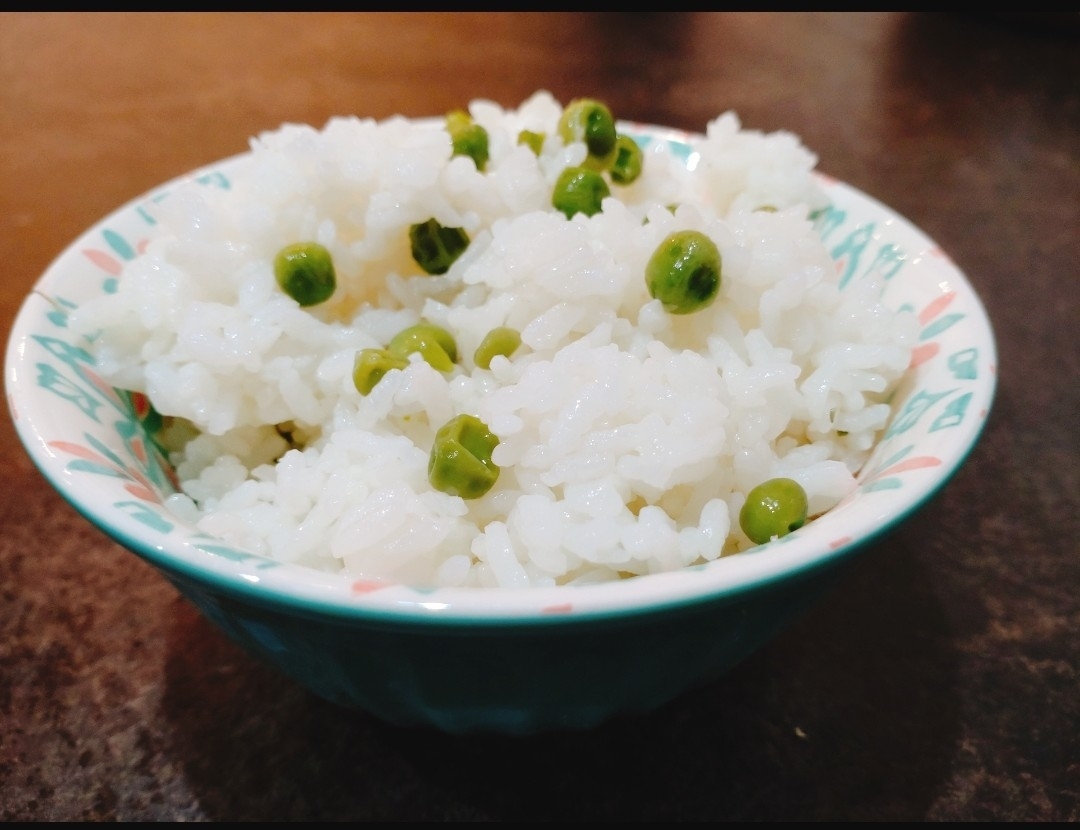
<point>623,437</point>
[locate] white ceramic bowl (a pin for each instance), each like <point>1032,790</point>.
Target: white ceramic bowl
<point>512,661</point>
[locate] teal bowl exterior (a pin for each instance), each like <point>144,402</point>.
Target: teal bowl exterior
<point>489,676</point>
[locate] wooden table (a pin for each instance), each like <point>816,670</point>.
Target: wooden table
<point>940,682</point>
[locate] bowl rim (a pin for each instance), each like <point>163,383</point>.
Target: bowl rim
<point>307,592</point>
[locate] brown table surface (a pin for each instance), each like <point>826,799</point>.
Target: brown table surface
<point>940,681</point>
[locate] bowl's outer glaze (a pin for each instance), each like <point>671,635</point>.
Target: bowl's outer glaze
<point>513,679</point>
<point>491,660</point>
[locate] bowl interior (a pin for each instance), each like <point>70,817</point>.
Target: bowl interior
<point>96,444</point>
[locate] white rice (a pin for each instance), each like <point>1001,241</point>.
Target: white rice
<point>628,437</point>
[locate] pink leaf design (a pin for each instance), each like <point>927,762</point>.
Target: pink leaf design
<point>936,307</point>
<point>77,450</point>
<point>138,449</point>
<point>921,354</point>
<point>367,586</point>
<point>101,386</point>
<point>916,463</point>
<point>103,261</point>
<point>141,491</point>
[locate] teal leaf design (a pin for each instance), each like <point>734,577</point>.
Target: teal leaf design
<point>896,457</point>
<point>58,316</point>
<point>828,219</point>
<point>225,552</point>
<point>214,179</point>
<point>64,352</point>
<point>883,484</point>
<point>118,244</point>
<point>851,249</point>
<point>939,325</point>
<point>82,465</point>
<point>889,260</point>
<point>680,150</point>
<point>104,450</point>
<point>140,512</point>
<point>51,380</point>
<point>953,413</point>
<point>963,364</point>
<point>234,555</point>
<point>145,215</point>
<point>913,410</point>
<point>140,450</point>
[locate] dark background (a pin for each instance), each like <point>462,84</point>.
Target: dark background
<point>938,682</point>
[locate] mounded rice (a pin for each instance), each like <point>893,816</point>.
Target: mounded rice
<point>629,436</point>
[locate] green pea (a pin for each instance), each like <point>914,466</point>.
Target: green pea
<point>628,161</point>
<point>460,462</point>
<point>434,343</point>
<point>305,271</point>
<point>774,508</point>
<point>589,120</point>
<point>469,138</point>
<point>500,340</point>
<point>371,365</point>
<point>579,190</point>
<point>684,272</point>
<point>434,247</point>
<point>531,139</point>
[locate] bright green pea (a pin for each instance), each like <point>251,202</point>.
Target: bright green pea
<point>500,340</point>
<point>469,138</point>
<point>305,271</point>
<point>531,139</point>
<point>371,365</point>
<point>684,272</point>
<point>774,508</point>
<point>579,190</point>
<point>434,343</point>
<point>628,161</point>
<point>589,120</point>
<point>434,247</point>
<point>460,462</point>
